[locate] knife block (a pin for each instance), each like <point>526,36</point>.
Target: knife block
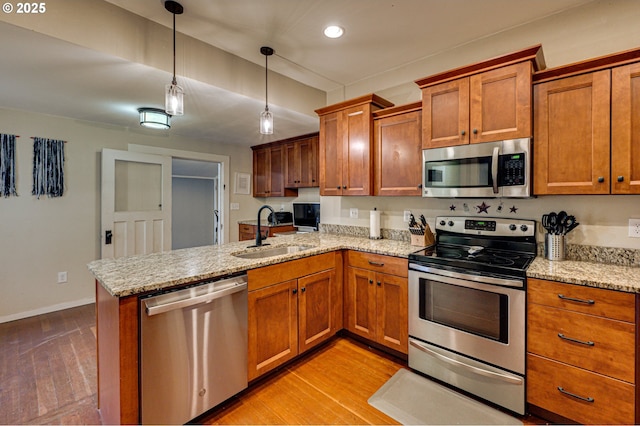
<point>422,238</point>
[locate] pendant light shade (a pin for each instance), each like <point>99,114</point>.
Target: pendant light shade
<point>174,94</point>
<point>266,118</point>
<point>154,118</point>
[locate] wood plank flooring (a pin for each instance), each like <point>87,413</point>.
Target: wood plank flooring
<point>48,376</point>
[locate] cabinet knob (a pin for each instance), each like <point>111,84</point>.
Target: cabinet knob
<point>338,187</point>
<point>344,186</point>
<point>620,178</point>
<point>463,132</point>
<point>370,281</point>
<point>601,179</point>
<point>303,289</point>
<point>475,131</point>
<point>379,283</point>
<point>294,291</point>
<point>420,186</point>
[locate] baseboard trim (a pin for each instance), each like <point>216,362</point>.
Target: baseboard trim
<point>47,309</point>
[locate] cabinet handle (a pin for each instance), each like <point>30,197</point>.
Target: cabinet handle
<point>475,131</point>
<point>370,281</point>
<point>620,178</point>
<point>303,289</point>
<point>379,283</point>
<point>463,133</point>
<point>338,187</point>
<point>582,398</point>
<point>344,186</point>
<point>571,339</point>
<point>573,299</point>
<point>420,186</point>
<point>371,262</point>
<point>294,291</point>
<point>600,179</point>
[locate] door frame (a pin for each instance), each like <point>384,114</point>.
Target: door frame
<point>223,182</point>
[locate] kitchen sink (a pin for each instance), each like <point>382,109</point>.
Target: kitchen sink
<point>262,252</point>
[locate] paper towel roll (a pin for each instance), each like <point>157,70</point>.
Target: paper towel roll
<point>374,224</point>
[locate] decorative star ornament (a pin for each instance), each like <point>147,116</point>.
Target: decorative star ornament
<point>483,208</point>
<point>513,209</point>
<point>452,207</point>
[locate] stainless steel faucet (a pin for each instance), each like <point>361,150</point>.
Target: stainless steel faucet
<point>259,236</point>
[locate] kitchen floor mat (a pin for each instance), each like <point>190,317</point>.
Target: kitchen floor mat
<point>415,400</point>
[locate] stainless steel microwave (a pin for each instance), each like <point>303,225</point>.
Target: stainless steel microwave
<point>481,170</point>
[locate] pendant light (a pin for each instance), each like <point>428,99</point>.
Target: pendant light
<point>266,118</point>
<point>174,94</point>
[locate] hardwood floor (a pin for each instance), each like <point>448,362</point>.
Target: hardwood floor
<point>48,376</point>
<point>48,369</point>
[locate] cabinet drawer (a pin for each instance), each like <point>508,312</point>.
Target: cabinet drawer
<point>598,344</point>
<point>613,400</point>
<point>594,301</point>
<point>247,229</point>
<point>379,263</point>
<point>293,269</point>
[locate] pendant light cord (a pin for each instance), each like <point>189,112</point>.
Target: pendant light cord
<point>174,81</point>
<point>266,82</point>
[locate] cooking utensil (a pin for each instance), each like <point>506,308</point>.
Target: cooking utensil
<point>561,223</point>
<point>550,222</point>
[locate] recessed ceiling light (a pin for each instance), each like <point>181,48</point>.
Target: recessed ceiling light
<point>333,31</point>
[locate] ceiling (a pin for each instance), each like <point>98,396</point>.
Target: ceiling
<point>53,76</point>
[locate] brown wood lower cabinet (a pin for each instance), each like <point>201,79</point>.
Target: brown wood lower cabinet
<point>376,301</point>
<point>293,306</point>
<point>581,361</point>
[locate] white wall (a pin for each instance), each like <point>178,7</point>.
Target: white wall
<point>39,238</point>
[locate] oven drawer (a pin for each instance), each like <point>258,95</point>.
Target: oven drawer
<point>606,400</point>
<point>380,263</point>
<point>588,300</point>
<point>598,344</point>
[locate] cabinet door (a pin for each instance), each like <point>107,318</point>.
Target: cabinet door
<point>572,124</point>
<point>291,165</point>
<point>361,302</point>
<point>392,329</point>
<point>501,104</point>
<point>445,114</point>
<point>357,128</point>
<point>315,309</point>
<point>625,130</point>
<point>273,327</point>
<point>307,153</point>
<point>261,172</point>
<point>330,154</point>
<point>398,155</point>
<point>276,168</point>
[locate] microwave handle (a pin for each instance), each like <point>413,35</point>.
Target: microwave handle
<point>494,168</point>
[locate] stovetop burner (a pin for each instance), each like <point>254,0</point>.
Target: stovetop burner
<point>494,245</point>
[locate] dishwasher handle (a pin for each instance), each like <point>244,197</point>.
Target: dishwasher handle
<point>153,309</point>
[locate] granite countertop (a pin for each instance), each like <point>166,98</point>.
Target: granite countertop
<point>264,223</point>
<point>143,273</point>
<point>592,274</point>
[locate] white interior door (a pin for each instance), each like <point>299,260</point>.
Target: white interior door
<point>136,203</point>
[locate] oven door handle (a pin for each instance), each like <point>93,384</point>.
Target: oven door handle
<point>476,370</point>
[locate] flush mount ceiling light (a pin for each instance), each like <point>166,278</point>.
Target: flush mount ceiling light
<point>154,118</point>
<point>174,94</point>
<point>266,118</point>
<point>333,31</point>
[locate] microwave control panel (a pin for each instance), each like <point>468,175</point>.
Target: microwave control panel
<point>512,169</point>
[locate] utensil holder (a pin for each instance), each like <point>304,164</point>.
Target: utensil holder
<point>554,247</point>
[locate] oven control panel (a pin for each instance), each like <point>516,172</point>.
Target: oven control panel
<point>497,226</point>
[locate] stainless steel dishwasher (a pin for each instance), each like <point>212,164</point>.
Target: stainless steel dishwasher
<point>193,350</point>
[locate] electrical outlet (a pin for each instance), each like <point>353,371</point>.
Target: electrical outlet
<point>634,228</point>
<point>353,213</point>
<point>62,277</point>
<point>234,206</point>
<point>407,216</point>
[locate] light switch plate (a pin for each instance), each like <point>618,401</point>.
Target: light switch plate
<point>234,206</point>
<point>407,216</point>
<point>634,228</point>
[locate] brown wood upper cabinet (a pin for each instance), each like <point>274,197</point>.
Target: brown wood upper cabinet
<point>268,172</point>
<point>301,163</point>
<point>483,102</point>
<point>345,153</point>
<point>587,127</point>
<point>397,150</point>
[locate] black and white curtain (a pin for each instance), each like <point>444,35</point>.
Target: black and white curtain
<point>48,167</point>
<point>7,165</point>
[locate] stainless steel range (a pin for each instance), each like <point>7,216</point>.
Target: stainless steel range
<point>467,306</point>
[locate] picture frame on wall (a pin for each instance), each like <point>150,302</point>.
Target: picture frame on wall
<point>242,184</point>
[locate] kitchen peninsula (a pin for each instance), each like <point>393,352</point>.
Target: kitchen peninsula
<point>120,282</point>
